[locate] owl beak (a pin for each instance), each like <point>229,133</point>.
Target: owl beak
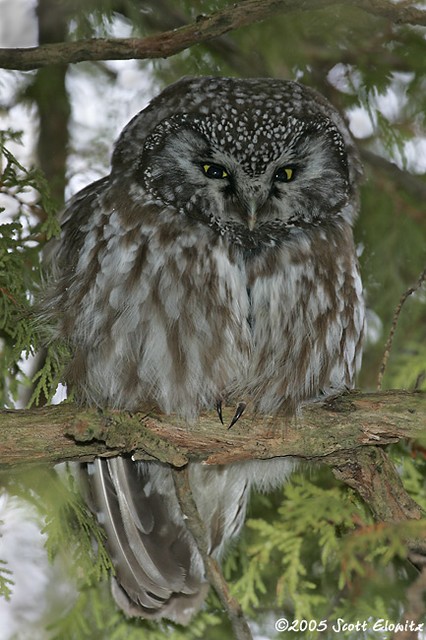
<point>251,215</point>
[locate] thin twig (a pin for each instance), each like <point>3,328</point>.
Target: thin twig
<point>6,293</point>
<point>389,341</point>
<point>213,571</point>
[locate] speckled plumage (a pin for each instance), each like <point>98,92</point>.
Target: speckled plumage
<point>178,288</point>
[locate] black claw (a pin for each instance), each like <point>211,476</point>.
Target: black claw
<point>241,407</point>
<point>219,410</point>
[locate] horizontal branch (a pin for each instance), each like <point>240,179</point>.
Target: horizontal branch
<point>203,29</point>
<point>340,424</point>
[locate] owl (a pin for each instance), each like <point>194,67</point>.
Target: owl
<point>215,263</point>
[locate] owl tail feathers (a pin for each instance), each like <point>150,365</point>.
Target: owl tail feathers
<point>157,571</point>
<point>179,608</point>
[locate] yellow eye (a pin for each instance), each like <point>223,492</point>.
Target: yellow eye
<point>215,171</point>
<point>284,174</point>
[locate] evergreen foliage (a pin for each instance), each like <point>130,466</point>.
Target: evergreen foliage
<point>27,221</point>
<point>6,581</point>
<point>321,556</point>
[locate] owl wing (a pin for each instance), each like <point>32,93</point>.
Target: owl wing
<point>73,223</point>
<point>157,570</point>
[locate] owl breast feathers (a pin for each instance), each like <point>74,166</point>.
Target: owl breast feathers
<point>215,263</point>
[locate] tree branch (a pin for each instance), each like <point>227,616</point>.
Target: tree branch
<point>161,15</point>
<point>205,28</point>
<point>339,424</point>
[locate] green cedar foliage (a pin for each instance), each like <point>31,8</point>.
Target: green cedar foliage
<point>26,223</point>
<point>315,552</point>
<point>6,581</point>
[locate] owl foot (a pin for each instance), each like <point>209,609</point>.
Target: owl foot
<point>241,407</point>
<point>219,410</point>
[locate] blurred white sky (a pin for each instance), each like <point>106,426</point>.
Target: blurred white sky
<point>18,27</point>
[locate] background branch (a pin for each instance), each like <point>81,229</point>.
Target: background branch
<point>203,29</point>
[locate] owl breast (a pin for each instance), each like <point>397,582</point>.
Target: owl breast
<point>183,318</point>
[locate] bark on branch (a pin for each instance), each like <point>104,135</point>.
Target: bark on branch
<point>205,28</point>
<point>339,425</point>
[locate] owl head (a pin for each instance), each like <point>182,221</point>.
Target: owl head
<point>247,157</point>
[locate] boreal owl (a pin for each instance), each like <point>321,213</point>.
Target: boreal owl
<point>214,263</point>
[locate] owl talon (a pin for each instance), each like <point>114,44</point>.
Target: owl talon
<point>219,410</point>
<point>241,407</point>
